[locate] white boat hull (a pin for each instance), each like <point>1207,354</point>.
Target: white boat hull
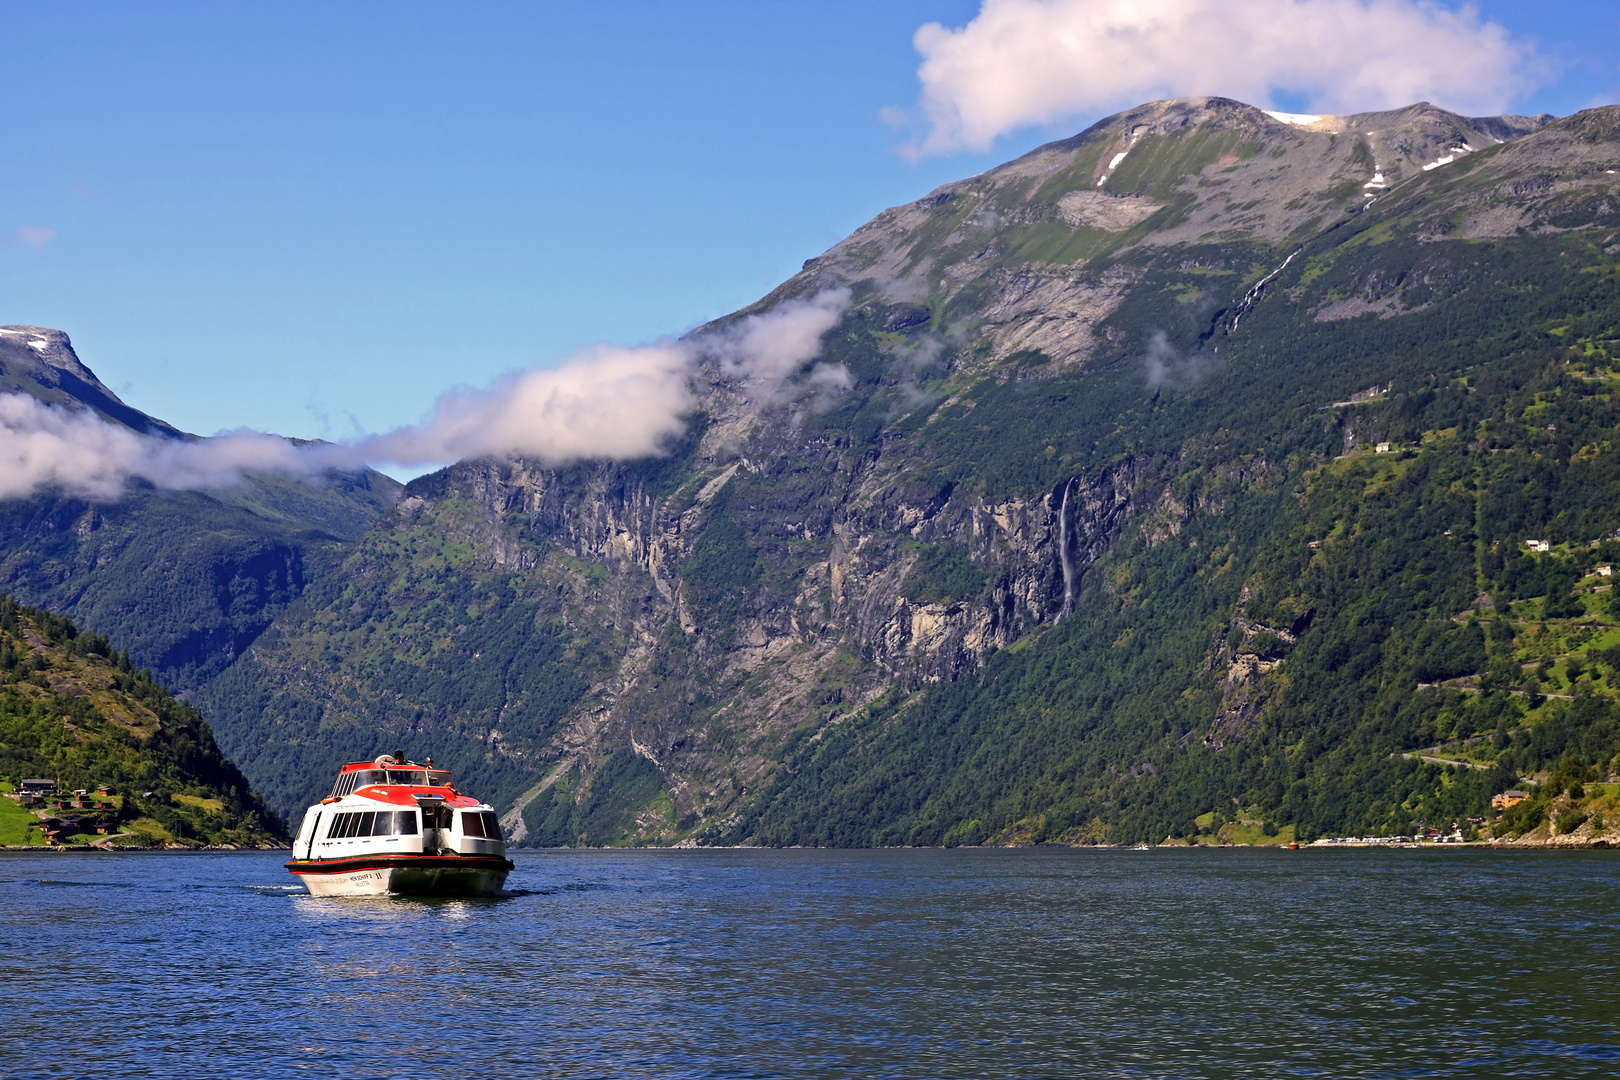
<point>423,875</point>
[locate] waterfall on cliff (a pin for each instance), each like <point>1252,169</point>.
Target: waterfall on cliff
<point>1063,554</point>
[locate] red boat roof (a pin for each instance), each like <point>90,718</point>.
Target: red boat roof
<point>400,795</point>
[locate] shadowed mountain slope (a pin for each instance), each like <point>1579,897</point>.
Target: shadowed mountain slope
<point>185,580</point>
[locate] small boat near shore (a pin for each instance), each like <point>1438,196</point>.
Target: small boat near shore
<point>393,826</point>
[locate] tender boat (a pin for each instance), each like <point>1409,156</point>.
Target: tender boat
<point>395,826</point>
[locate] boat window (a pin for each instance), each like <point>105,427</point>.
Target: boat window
<point>408,777</point>
<point>472,823</point>
<point>437,778</point>
<point>492,825</point>
<point>350,824</point>
<point>363,826</point>
<point>405,822</point>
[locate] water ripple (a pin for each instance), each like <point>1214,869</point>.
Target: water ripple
<point>824,964</point>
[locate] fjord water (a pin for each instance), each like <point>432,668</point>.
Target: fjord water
<point>1036,963</point>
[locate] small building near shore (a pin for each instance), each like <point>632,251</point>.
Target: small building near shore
<point>1508,799</point>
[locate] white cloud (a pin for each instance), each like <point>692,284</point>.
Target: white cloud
<point>614,402</point>
<point>34,236</point>
<point>1034,62</point>
<point>43,446</point>
<point>763,351</point>
<point>611,402</point>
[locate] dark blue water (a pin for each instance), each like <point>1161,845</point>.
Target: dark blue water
<point>823,964</point>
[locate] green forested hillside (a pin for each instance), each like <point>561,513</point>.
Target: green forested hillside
<point>76,711</point>
<point>187,580</point>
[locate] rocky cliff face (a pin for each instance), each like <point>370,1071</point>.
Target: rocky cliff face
<point>705,690</point>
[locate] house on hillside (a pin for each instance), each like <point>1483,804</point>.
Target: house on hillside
<point>1508,799</point>
<point>36,787</point>
<point>57,830</point>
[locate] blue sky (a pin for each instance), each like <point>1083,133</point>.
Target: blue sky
<point>314,219</point>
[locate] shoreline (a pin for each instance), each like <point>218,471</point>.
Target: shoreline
<point>1360,845</point>
<point>166,850</point>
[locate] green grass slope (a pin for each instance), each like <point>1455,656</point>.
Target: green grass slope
<point>75,710</point>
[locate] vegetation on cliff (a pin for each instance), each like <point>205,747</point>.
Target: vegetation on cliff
<point>1332,612</point>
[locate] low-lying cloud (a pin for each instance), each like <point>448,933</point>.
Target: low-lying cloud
<point>1020,63</point>
<point>46,446</point>
<point>612,402</point>
<point>1168,366</point>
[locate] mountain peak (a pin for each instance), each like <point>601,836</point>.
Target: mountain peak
<point>1183,172</point>
<point>40,362</point>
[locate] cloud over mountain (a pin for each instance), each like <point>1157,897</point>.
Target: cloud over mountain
<point>1030,62</point>
<point>46,446</point>
<point>611,401</point>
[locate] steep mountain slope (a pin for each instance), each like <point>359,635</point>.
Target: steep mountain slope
<point>186,580</point>
<point>74,710</point>
<point>1019,555</point>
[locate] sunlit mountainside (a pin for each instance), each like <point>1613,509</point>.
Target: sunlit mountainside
<point>1171,479</point>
